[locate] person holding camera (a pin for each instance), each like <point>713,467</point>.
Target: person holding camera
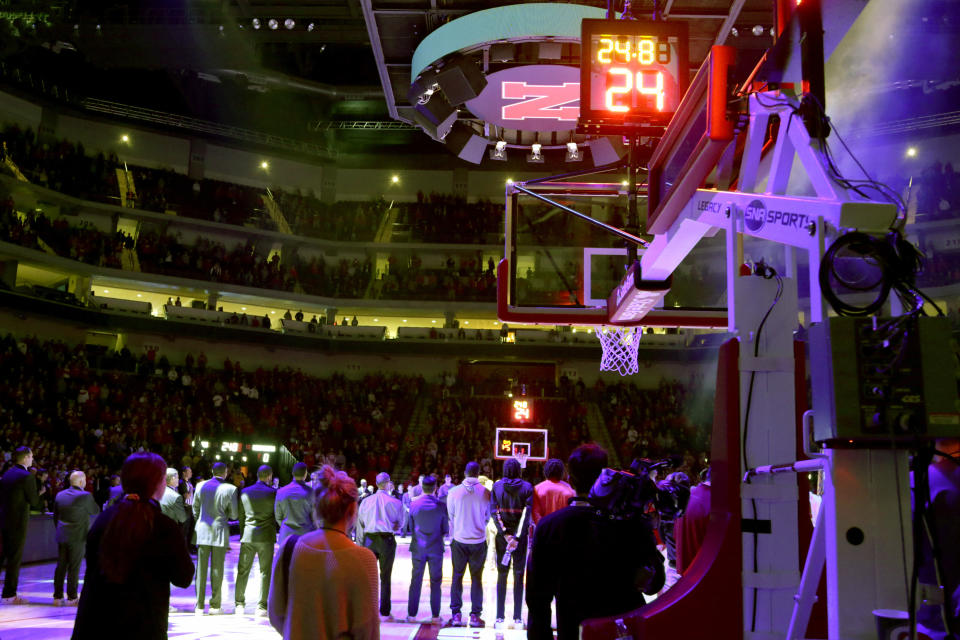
<point>592,564</point>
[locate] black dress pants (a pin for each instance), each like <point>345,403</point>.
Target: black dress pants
<point>384,546</point>
<point>69,556</point>
<point>519,561</point>
<point>13,541</point>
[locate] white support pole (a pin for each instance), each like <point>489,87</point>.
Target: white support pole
<point>770,436</point>
<point>806,596</point>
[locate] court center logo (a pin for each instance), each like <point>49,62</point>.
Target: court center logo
<point>755,215</point>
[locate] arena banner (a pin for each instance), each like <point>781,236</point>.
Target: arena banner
<point>531,98</point>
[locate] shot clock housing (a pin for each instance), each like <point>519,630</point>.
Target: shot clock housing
<point>633,73</point>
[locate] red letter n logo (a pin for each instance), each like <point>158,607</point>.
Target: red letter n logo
<point>540,101</point>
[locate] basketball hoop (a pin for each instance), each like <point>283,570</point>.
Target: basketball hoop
<point>620,346</point>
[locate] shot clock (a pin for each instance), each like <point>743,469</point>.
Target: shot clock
<point>632,72</point>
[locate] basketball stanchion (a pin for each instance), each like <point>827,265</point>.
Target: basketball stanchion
<point>620,346</point>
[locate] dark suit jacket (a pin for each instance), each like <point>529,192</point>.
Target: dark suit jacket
<point>139,606</point>
<point>171,504</point>
<point>257,518</point>
<point>18,495</point>
<point>214,505</point>
<point>115,494</point>
<point>581,559</point>
<point>430,523</point>
<point>294,509</point>
<point>72,509</point>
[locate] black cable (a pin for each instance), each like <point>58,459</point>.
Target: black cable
<point>767,273</point>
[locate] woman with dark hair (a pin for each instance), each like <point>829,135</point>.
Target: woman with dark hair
<point>133,554</point>
<point>324,586</point>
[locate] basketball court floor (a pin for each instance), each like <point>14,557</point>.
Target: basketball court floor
<point>41,620</point>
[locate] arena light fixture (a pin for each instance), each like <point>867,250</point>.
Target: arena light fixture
<point>311,27</point>
<point>573,152</point>
<point>273,24</point>
<point>536,154</point>
<point>499,151</point>
<point>289,24</point>
<point>255,23</point>
<point>264,165</point>
<point>509,180</point>
<point>758,30</point>
<point>125,139</point>
<point>395,179</point>
<point>912,152</point>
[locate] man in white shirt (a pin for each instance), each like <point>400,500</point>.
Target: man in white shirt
<point>469,507</point>
<point>379,519</point>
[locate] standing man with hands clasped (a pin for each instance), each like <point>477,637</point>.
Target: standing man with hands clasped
<point>294,506</point>
<point>18,495</point>
<point>430,522</point>
<point>214,505</point>
<point>258,534</point>
<point>469,507</point>
<point>511,503</point>
<point>71,513</point>
<point>380,518</point>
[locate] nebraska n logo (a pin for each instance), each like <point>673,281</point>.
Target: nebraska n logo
<point>542,101</point>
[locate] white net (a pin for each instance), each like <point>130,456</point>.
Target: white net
<point>620,346</point>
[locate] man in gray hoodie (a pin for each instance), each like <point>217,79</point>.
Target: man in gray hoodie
<point>469,507</point>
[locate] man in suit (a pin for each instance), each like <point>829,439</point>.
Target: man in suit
<point>71,514</point>
<point>294,506</point>
<point>171,503</point>
<point>116,491</point>
<point>380,517</point>
<point>258,534</point>
<point>430,523</point>
<point>214,505</point>
<point>186,491</point>
<point>18,495</point>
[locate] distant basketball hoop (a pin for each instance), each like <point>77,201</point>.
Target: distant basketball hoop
<point>620,346</point>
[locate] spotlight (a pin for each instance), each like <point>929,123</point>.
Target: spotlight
<point>499,151</point>
<point>311,27</point>
<point>125,139</point>
<point>289,23</point>
<point>912,152</point>
<point>758,30</point>
<point>535,155</point>
<point>395,179</point>
<point>255,23</point>
<point>273,24</point>
<point>573,153</point>
<point>734,32</point>
<point>509,180</point>
<point>265,165</point>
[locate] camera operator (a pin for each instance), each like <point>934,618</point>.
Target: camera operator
<point>674,493</point>
<point>594,565</point>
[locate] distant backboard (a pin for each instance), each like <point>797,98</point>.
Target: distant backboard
<point>532,442</point>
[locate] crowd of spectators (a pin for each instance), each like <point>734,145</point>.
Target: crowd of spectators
<point>209,260</point>
<point>63,166</point>
<point>83,242</point>
<point>345,221</point>
<point>938,193</point>
<point>449,219</point>
<point>463,281</point>
<point>87,408</point>
<point>166,190</point>
<point>653,423</point>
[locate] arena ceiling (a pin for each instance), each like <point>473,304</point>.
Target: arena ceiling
<point>328,72</point>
